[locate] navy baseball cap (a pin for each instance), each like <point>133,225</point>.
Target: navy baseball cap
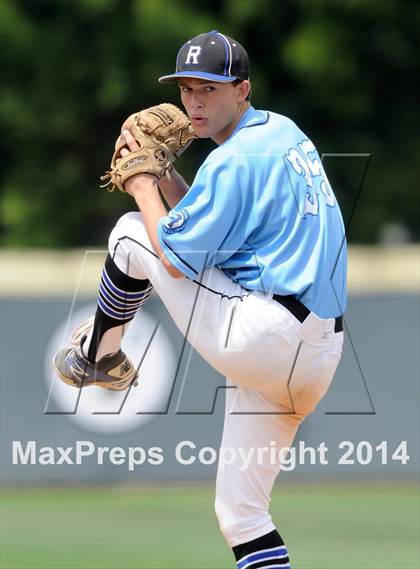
<point>211,56</point>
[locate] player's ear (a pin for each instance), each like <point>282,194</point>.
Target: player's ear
<point>243,89</point>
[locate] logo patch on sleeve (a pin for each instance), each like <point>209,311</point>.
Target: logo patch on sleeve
<point>176,221</point>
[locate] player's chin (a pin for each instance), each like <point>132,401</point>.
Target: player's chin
<point>203,129</point>
<point>201,132</point>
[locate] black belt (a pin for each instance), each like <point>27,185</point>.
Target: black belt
<point>300,311</point>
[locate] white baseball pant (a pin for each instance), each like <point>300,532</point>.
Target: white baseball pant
<point>281,369</point>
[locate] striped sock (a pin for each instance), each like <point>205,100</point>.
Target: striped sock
<point>267,552</point>
<point>120,297</point>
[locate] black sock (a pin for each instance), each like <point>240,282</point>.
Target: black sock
<point>120,297</point>
<point>266,551</point>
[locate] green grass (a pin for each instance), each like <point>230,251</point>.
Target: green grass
<point>366,526</point>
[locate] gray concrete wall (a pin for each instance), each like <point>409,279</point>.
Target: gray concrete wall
<point>374,399</point>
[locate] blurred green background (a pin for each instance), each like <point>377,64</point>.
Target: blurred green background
<point>329,526</point>
<point>72,70</point>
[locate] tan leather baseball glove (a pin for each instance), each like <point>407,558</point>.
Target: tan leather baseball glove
<point>163,133</point>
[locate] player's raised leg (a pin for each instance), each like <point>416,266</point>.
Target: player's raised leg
<point>95,356</point>
<point>132,269</point>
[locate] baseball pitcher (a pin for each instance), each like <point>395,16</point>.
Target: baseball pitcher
<point>250,262</point>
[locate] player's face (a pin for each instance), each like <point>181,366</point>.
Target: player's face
<point>214,108</point>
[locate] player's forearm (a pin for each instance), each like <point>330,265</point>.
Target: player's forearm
<point>150,204</point>
<point>174,187</point>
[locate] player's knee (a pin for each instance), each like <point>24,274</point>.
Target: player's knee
<point>225,521</point>
<point>241,522</point>
<point>307,400</point>
<point>128,225</point>
<point>129,222</point>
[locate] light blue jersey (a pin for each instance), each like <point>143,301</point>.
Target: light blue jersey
<point>262,210</point>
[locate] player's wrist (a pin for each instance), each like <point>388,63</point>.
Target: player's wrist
<point>173,187</point>
<point>141,183</point>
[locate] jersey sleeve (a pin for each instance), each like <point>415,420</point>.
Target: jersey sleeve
<point>209,224</point>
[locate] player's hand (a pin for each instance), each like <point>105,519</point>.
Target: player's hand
<point>162,132</point>
<point>138,182</point>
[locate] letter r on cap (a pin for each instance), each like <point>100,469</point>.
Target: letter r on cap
<point>193,54</point>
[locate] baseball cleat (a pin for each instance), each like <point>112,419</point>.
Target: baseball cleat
<point>113,371</point>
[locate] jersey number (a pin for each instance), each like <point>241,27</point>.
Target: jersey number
<point>309,168</point>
